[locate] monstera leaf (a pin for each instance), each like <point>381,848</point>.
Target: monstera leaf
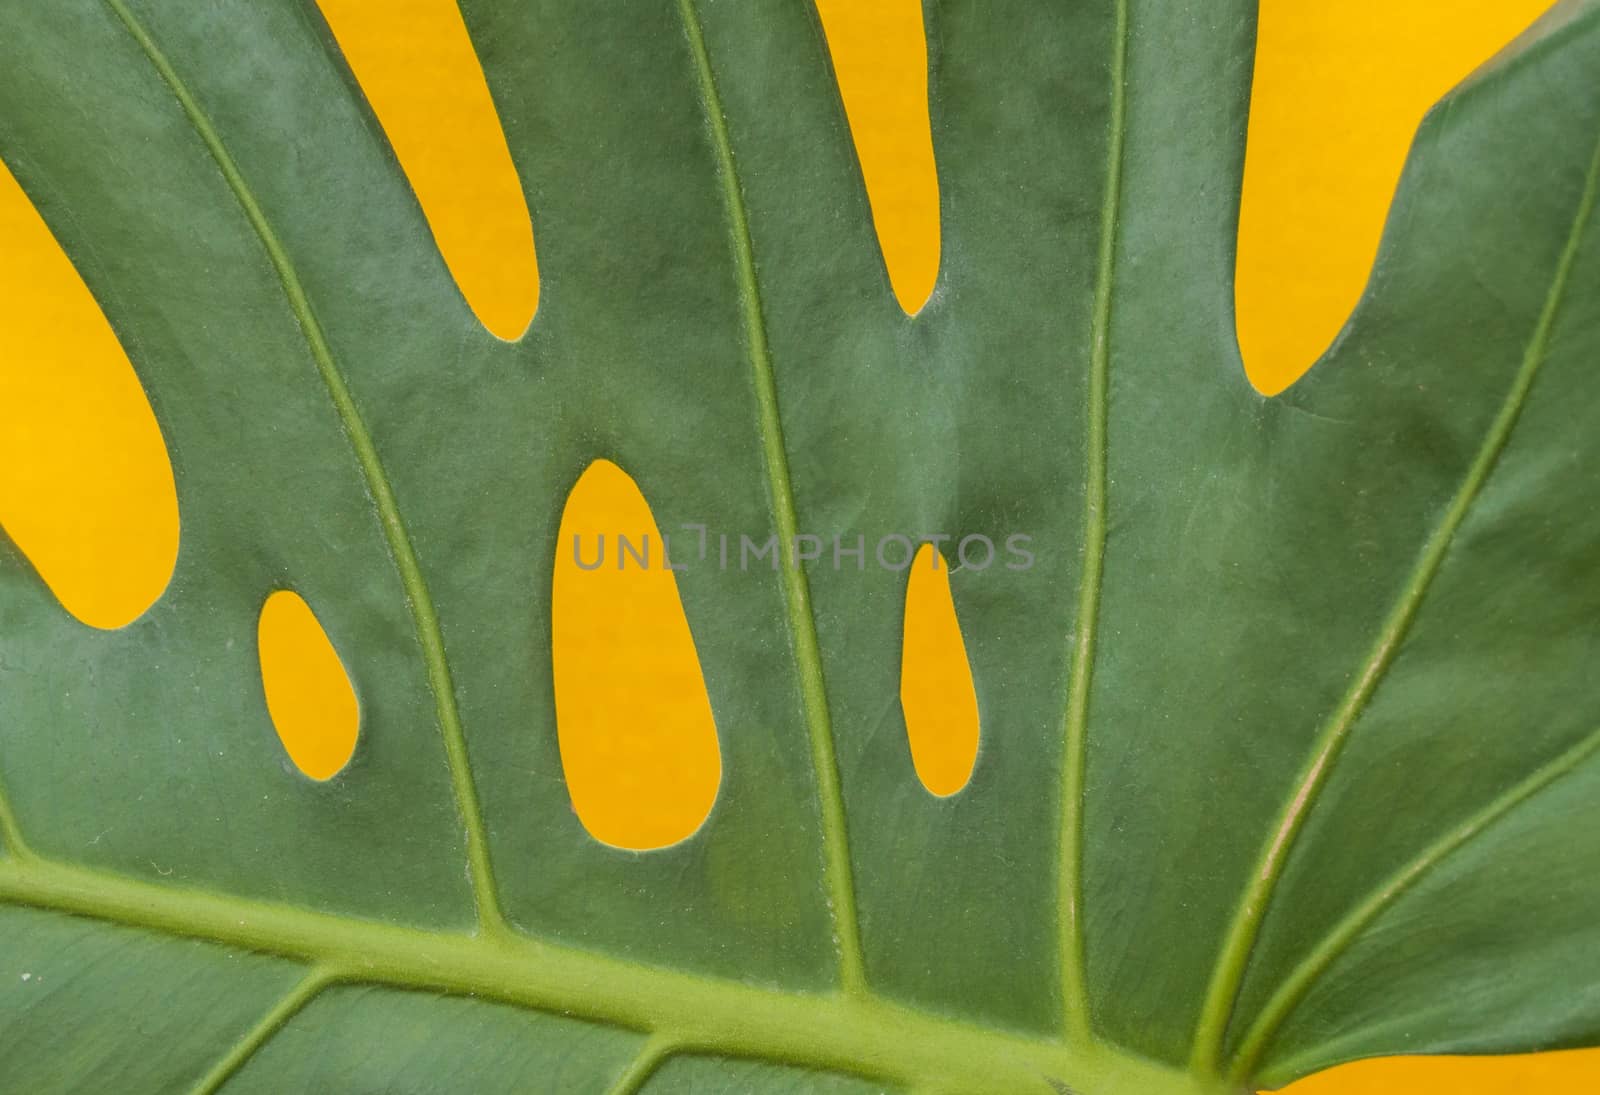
<point>1288,731</point>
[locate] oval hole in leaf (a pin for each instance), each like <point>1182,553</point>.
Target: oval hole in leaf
<point>936,690</point>
<point>880,58</point>
<point>638,742</point>
<point>417,68</point>
<point>309,696</point>
<point>86,488</point>
<point>1330,128</point>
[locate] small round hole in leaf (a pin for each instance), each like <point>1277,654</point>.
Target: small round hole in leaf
<point>308,692</point>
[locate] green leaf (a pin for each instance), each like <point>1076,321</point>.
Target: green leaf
<point>1288,731</point>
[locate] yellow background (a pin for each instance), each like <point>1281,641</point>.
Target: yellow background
<point>86,491</point>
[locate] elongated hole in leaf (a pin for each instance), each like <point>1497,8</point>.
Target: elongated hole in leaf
<point>936,689</point>
<point>880,57</point>
<point>1329,131</point>
<point>419,72</point>
<point>638,742</point>
<point>86,489</point>
<point>308,692</point>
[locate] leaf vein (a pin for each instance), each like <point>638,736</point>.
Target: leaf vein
<point>1293,991</point>
<point>419,599</point>
<point>858,1034</point>
<point>796,589</point>
<point>251,1042</point>
<point>1234,958</point>
<point>652,1055</point>
<point>11,839</point>
<point>1075,717</point>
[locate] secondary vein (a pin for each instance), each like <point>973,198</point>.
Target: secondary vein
<point>1234,959</point>
<point>655,1052</point>
<point>11,840</point>
<point>796,589</point>
<point>259,1035</point>
<point>420,601</point>
<point>1299,982</point>
<point>1075,719</point>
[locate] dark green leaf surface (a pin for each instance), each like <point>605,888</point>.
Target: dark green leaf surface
<point>1287,734</point>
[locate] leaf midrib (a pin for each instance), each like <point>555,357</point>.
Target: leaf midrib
<point>419,598</point>
<point>863,1036</point>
